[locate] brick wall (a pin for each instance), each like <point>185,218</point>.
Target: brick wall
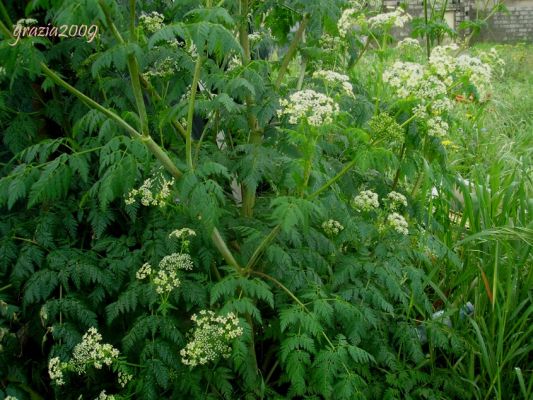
<point>512,26</point>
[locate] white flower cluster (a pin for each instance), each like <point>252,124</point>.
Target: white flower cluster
<point>144,272</point>
<point>397,199</point>
<point>367,200</point>
<point>166,281</point>
<point>211,338</point>
<point>176,261</point>
<point>408,44</point>
<point>148,194</point>
<point>329,42</point>
<point>335,78</point>
<point>91,352</point>
<point>234,62</point>
<point>166,277</point>
<point>404,78</point>
<point>316,108</point>
<point>254,37</point>
<point>348,20</point>
<point>124,378</point>
<point>104,396</point>
<point>398,223</point>
<point>11,398</point>
<point>55,370</point>
<point>448,67</point>
<point>440,106</point>
<point>164,68</point>
<point>478,72</point>
<point>437,126</point>
<point>151,22</point>
<point>442,61</point>
<point>182,233</point>
<point>332,227</point>
<point>397,18</point>
<point>430,88</point>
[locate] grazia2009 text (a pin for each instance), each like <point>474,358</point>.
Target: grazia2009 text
<point>88,31</point>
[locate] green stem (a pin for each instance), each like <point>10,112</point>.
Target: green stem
<point>190,113</point>
<point>151,90</point>
<point>259,250</point>
<point>243,32</point>
<point>162,156</point>
<point>133,66</point>
<point>418,182</point>
<point>326,185</point>
<point>256,136</point>
<point>90,102</point>
<point>291,51</point>
<point>428,40</point>
<point>283,287</point>
<point>221,246</point>
<point>308,162</point>
<point>5,287</point>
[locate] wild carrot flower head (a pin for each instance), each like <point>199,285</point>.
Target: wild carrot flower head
<point>367,200</point>
<point>55,371</point>
<point>332,227</point>
<point>348,20</point>
<point>397,199</point>
<point>336,79</point>
<point>151,22</point>
<point>398,223</point>
<point>211,339</point>
<point>397,18</point>
<point>316,108</point>
<point>91,352</point>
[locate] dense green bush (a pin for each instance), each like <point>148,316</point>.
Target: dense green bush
<point>185,217</point>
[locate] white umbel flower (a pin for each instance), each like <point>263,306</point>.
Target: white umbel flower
<point>182,233</point>
<point>404,77</point>
<point>154,191</point>
<point>211,339</point>
<point>332,227</point>
<point>336,79</point>
<point>397,18</point>
<point>91,352</point>
<point>316,108</point>
<point>104,396</point>
<point>408,44</point>
<point>124,378</point>
<point>151,22</point>
<point>144,272</point>
<point>55,371</point>
<point>398,223</point>
<point>437,126</point>
<point>397,199</point>
<point>367,200</point>
<point>347,21</point>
